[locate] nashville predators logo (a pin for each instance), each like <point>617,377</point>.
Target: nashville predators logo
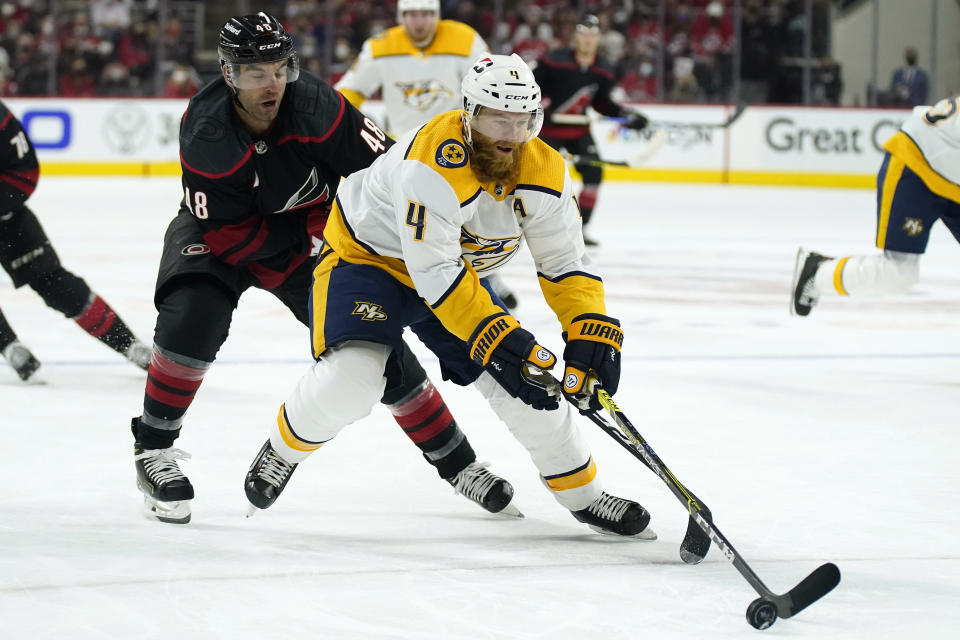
<point>420,95</point>
<point>369,311</point>
<point>485,253</point>
<point>451,154</point>
<point>913,226</point>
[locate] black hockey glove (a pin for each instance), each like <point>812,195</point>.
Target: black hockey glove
<point>636,121</point>
<point>592,351</point>
<point>505,350</point>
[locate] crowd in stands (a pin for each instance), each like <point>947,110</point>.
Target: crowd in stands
<point>674,50</point>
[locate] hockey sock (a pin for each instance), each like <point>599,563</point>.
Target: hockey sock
<point>425,418</point>
<point>102,322</point>
<point>7,334</point>
<point>588,200</point>
<point>172,383</point>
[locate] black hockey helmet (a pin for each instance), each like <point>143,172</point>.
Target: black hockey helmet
<point>251,40</point>
<point>588,22</point>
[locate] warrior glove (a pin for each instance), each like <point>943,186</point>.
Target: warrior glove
<point>592,353</point>
<point>505,351</point>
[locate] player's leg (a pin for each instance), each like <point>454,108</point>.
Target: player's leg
<point>17,355</point>
<point>906,210</point>
<point>352,343</point>
<point>29,258</point>
<point>419,409</point>
<point>195,298</point>
<point>592,175</point>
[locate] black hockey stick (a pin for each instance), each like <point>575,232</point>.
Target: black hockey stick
<point>654,143</point>
<point>762,612</point>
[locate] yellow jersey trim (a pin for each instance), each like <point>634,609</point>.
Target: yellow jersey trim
<point>573,480</point>
<point>572,295</point>
<point>451,39</point>
<point>353,97</point>
<point>903,147</point>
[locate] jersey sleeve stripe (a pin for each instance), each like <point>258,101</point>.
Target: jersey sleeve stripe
<point>569,274</point>
<point>22,184</point>
<point>450,289</point>
<point>6,120</point>
<point>214,176</point>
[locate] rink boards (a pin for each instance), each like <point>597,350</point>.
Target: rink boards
<point>781,145</point>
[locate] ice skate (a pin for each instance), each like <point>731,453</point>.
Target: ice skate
<point>21,360</point>
<point>139,354</point>
<point>486,489</point>
<point>803,291</point>
<point>611,515</point>
<point>267,477</point>
<point>167,492</point>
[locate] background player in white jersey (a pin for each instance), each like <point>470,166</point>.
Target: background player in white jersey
<point>918,183</point>
<point>412,235</point>
<point>418,65</point>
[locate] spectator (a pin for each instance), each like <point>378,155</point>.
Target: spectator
<point>713,40</point>
<point>77,81</point>
<point>639,83</point>
<point>909,84</point>
<point>182,83</point>
<point>110,18</point>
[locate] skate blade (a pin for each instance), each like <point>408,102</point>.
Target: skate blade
<point>252,510</point>
<point>170,512</point>
<point>647,535</point>
<point>797,268</point>
<point>509,512</point>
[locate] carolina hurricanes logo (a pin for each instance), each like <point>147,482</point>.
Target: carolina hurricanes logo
<point>308,194</point>
<point>195,250</point>
<point>579,101</point>
<point>420,95</point>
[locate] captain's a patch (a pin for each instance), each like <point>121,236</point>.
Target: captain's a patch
<point>451,154</point>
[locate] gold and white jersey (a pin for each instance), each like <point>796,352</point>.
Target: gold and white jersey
<point>929,144</point>
<point>417,83</point>
<point>420,213</point>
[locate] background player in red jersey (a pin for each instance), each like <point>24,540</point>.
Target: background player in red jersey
<point>263,150</point>
<point>28,258</point>
<point>573,79</point>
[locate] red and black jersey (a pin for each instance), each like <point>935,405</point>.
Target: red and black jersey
<point>570,88</point>
<point>18,163</point>
<point>261,202</point>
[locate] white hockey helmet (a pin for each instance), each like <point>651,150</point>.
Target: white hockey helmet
<point>417,5</point>
<point>502,85</point>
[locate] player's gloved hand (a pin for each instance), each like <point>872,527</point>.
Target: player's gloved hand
<point>636,121</point>
<point>592,351</point>
<point>316,222</point>
<point>504,349</point>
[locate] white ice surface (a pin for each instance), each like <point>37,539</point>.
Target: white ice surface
<point>827,438</point>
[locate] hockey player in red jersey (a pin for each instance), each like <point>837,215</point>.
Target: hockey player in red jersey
<point>263,150</point>
<point>28,257</point>
<point>573,79</point>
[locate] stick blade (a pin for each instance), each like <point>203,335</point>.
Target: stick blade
<point>696,542</point>
<point>816,585</point>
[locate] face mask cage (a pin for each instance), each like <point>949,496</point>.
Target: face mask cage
<point>259,75</point>
<point>504,126</point>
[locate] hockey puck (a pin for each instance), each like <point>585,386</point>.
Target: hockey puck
<point>761,614</point>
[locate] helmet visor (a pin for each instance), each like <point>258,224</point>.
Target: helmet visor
<point>508,126</point>
<point>260,75</point>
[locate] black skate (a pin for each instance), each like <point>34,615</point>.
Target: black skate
<point>21,359</point>
<point>486,489</point>
<point>167,492</point>
<point>611,515</point>
<point>803,291</point>
<point>267,477</point>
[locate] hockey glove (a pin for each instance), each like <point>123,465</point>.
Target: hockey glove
<point>636,121</point>
<point>505,350</point>
<point>592,352</point>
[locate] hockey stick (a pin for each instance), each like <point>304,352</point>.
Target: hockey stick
<point>585,119</point>
<point>656,141</point>
<point>762,612</point>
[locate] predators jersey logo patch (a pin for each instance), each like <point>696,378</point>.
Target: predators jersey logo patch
<point>913,226</point>
<point>451,154</point>
<point>420,95</point>
<point>486,253</point>
<point>369,311</point>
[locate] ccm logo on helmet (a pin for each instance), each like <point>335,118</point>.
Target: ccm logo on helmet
<point>269,46</point>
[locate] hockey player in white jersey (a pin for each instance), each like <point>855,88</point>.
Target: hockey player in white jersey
<point>417,64</point>
<point>407,244</point>
<point>918,183</point>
